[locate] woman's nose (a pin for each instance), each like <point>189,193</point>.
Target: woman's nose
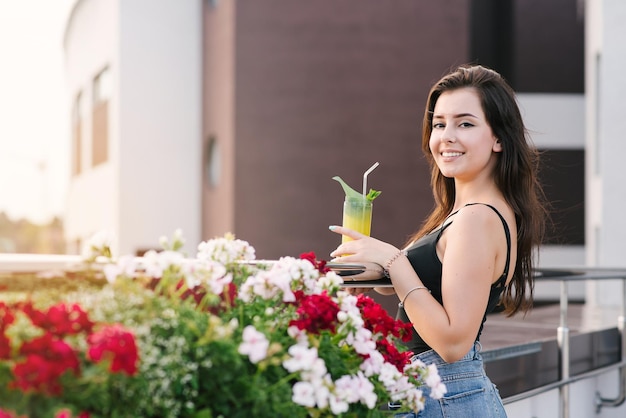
<point>448,135</point>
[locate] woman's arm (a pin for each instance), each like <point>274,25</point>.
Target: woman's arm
<point>468,251</point>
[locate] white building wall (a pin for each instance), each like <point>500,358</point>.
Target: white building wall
<point>160,121</point>
<point>151,183</point>
<point>90,46</point>
<point>606,144</point>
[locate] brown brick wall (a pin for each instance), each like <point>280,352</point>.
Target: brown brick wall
<point>327,88</point>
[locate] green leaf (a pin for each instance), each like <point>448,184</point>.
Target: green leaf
<point>350,192</point>
<point>373,194</point>
<point>353,194</point>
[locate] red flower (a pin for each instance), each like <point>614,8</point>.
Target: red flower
<point>378,320</point>
<point>117,344</point>
<point>316,313</point>
<point>320,265</point>
<point>47,358</point>
<point>227,297</point>
<point>197,293</point>
<point>66,413</point>
<point>63,413</point>
<point>6,319</point>
<point>60,319</point>
<point>392,355</point>
<point>9,414</point>
<point>6,313</point>
<point>5,347</point>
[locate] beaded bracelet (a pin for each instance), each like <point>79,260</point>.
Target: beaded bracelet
<point>401,304</point>
<point>391,261</point>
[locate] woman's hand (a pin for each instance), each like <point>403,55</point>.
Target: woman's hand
<point>362,248</point>
<point>357,290</point>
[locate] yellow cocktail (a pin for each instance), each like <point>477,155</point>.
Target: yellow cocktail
<point>357,215</point>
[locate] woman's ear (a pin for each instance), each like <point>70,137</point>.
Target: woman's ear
<point>497,145</point>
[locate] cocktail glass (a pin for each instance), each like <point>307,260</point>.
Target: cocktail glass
<point>357,215</point>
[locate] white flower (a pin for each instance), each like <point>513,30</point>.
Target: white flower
<point>111,271</point>
<point>337,404</point>
<point>388,374</point>
<point>302,358</point>
<point>373,364</point>
<point>254,344</point>
<point>257,285</point>
<point>362,341</point>
<point>279,279</point>
<point>415,400</point>
<point>303,393</point>
<point>126,265</point>
<point>342,316</point>
<point>177,241</point>
<point>348,303</point>
<point>298,334</point>
<point>322,391</point>
<point>330,282</point>
<point>316,372</point>
<point>198,272</point>
<point>226,250</point>
<point>366,391</point>
<point>433,380</point>
<point>98,245</point>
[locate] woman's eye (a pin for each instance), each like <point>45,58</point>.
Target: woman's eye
<point>438,125</point>
<point>466,125</point>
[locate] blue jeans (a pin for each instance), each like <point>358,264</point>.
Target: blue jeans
<point>470,392</point>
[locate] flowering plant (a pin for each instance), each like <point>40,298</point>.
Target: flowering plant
<point>221,334</point>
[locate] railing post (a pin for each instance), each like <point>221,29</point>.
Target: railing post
<point>621,325</point>
<point>563,342</point>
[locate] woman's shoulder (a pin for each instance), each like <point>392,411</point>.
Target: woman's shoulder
<point>486,214</point>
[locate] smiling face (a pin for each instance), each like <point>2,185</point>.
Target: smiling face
<point>461,141</point>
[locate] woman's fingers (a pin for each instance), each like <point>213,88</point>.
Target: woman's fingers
<point>357,290</point>
<point>346,231</point>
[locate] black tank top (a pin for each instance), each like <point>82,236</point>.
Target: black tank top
<point>423,257</point>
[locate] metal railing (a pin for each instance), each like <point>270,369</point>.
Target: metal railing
<point>564,276</point>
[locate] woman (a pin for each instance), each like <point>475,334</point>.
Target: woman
<point>475,250</point>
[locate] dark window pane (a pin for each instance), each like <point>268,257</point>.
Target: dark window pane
<point>562,174</point>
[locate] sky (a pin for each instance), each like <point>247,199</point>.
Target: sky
<point>34,111</point>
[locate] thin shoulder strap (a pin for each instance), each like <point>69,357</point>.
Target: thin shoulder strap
<point>505,274</point>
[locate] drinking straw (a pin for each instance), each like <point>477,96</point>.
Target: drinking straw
<point>369,170</point>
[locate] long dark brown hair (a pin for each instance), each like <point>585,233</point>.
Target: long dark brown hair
<point>515,173</point>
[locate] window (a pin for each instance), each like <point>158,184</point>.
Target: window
<point>213,162</point>
<point>100,117</point>
<point>77,118</point>
<point>562,175</point>
<point>537,45</point>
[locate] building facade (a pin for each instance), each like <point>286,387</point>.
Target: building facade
<point>233,116</point>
